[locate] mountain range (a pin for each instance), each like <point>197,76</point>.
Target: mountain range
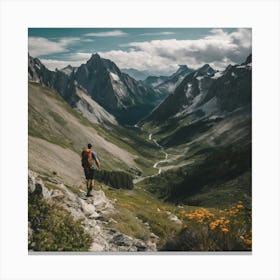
<point>102,81</point>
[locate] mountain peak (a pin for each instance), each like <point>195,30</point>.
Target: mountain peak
<point>183,66</point>
<point>182,69</point>
<point>248,60</point>
<point>94,57</point>
<point>67,69</point>
<point>207,69</point>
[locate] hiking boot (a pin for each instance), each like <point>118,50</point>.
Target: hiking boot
<point>89,192</point>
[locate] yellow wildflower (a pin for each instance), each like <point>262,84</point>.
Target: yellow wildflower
<point>224,229</point>
<point>248,241</point>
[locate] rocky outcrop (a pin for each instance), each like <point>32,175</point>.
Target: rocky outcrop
<point>94,213</point>
<point>36,186</point>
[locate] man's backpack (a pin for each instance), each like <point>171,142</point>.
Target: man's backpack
<point>87,160</point>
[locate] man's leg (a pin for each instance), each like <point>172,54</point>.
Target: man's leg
<point>88,183</point>
<point>89,187</point>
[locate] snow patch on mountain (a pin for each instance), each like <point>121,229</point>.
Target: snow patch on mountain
<point>114,77</point>
<point>189,90</point>
<point>120,90</point>
<point>218,75</point>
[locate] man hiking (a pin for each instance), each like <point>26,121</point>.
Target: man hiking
<point>89,163</point>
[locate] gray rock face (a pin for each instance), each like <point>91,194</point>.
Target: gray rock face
<point>36,186</point>
<point>93,212</point>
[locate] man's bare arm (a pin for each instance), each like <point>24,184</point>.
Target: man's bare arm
<point>97,163</point>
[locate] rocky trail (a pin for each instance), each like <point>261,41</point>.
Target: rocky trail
<point>94,212</point>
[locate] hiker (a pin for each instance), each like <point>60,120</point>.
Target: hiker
<point>89,163</point>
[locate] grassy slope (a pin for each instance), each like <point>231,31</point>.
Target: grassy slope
<point>53,120</point>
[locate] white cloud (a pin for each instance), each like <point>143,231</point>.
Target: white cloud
<point>74,60</point>
<point>41,46</point>
<point>52,64</point>
<point>113,33</point>
<point>219,49</point>
<point>140,60</point>
<point>88,40</point>
<point>157,33</point>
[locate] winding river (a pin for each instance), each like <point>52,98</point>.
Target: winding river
<point>162,150</point>
<point>150,138</point>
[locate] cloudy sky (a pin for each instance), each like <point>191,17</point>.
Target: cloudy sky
<point>156,50</point>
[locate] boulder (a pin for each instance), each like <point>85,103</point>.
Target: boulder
<point>174,218</point>
<point>88,209</point>
<point>36,186</point>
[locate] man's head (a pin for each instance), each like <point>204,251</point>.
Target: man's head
<point>89,145</point>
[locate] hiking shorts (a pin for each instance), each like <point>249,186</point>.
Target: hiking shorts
<point>89,173</point>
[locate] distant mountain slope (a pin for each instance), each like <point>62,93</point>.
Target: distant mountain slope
<point>169,84</point>
<point>135,74</point>
<point>205,130</point>
<point>203,93</point>
<point>68,70</point>
<point>119,94</point>
<point>154,81</point>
